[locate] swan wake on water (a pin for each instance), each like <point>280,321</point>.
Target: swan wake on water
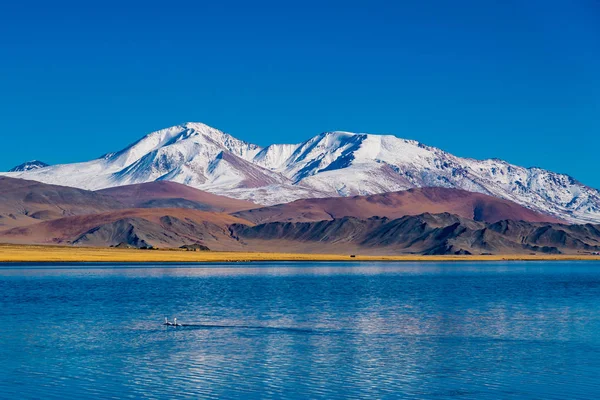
<point>253,327</point>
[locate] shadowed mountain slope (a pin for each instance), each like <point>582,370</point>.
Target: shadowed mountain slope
<point>29,166</point>
<point>422,234</point>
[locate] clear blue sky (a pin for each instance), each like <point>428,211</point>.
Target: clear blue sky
<point>513,79</point>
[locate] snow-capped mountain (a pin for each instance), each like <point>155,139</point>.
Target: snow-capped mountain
<point>29,166</point>
<point>329,164</point>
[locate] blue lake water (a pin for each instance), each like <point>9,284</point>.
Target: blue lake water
<point>290,330</point>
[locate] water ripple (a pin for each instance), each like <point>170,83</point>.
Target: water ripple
<point>288,332</point>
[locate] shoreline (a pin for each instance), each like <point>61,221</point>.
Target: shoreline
<point>12,254</point>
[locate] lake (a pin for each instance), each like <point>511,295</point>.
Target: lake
<point>301,330</point>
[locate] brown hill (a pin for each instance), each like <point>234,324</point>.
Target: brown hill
<point>158,227</point>
<point>476,206</point>
<point>458,222</point>
<point>165,194</point>
<point>422,234</point>
<point>24,202</point>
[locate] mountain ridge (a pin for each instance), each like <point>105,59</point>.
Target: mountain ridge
<point>329,164</point>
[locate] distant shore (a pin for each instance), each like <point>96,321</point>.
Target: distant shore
<point>61,254</point>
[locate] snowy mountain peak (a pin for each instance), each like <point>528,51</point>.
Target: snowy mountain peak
<point>333,163</point>
<point>29,166</point>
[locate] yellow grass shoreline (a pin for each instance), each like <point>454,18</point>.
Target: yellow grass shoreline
<point>62,254</point>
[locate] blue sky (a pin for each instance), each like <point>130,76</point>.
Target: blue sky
<point>517,80</point>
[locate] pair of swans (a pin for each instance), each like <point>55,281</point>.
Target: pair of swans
<point>168,323</point>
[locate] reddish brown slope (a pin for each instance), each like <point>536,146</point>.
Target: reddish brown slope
<point>162,194</point>
<point>393,205</point>
<point>24,202</point>
<point>159,227</point>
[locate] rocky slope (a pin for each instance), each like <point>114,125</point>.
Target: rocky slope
<point>421,234</point>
